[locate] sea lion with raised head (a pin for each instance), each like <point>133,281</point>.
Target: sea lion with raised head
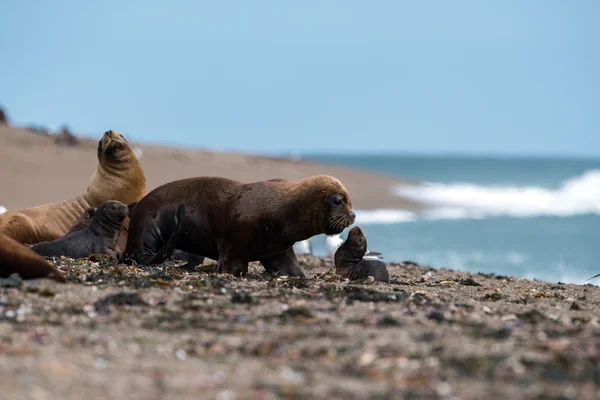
<point>119,176</point>
<point>17,258</point>
<point>86,218</point>
<point>236,223</point>
<point>349,261</point>
<point>99,237</point>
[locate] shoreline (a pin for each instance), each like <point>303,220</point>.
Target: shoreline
<point>161,333</point>
<point>37,171</point>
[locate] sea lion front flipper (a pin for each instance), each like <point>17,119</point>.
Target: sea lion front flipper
<point>191,259</point>
<point>150,256</point>
<point>284,264</point>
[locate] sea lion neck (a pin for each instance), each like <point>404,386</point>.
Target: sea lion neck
<point>302,216</point>
<point>124,180</point>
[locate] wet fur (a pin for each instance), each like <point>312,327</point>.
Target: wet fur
<point>236,223</point>
<point>118,176</point>
<point>349,262</point>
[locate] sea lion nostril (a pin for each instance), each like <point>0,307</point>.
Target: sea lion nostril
<point>352,216</point>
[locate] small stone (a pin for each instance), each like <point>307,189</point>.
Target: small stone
<point>448,283</point>
<point>225,395</point>
<point>366,358</point>
<point>388,320</point>
<point>241,297</point>
<point>181,354</point>
<point>469,282</point>
<point>100,363</point>
<point>436,315</point>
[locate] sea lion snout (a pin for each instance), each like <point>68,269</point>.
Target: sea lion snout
<point>352,217</point>
<point>357,237</point>
<point>114,210</point>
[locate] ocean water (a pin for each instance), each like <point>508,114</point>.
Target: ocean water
<point>537,218</point>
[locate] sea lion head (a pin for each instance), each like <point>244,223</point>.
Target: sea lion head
<point>113,148</point>
<point>112,212</point>
<point>356,242</point>
<point>332,203</point>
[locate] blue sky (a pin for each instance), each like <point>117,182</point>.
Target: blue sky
<point>509,77</point>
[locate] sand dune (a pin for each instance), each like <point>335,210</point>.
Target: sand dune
<point>34,170</point>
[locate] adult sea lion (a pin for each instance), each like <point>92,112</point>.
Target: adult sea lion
<point>99,237</point>
<point>349,261</point>
<point>119,176</point>
<point>16,258</point>
<point>236,223</point>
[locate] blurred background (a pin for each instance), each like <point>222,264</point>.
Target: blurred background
<point>466,131</point>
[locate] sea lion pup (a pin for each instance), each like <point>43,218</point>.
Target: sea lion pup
<point>99,237</point>
<point>85,219</point>
<point>349,262</point>
<point>17,258</point>
<point>119,176</point>
<point>236,223</point>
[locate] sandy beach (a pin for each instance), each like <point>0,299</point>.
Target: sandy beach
<point>117,331</point>
<point>121,332</point>
<point>34,170</point>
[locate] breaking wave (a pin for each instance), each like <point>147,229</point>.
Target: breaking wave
<point>576,196</point>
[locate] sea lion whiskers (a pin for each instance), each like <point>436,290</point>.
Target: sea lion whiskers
<point>340,222</point>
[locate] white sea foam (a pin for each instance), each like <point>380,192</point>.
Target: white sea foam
<point>383,216</point>
<point>576,196</point>
<point>2,210</point>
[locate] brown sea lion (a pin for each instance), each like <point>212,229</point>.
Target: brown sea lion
<point>349,261</point>
<point>99,237</point>
<point>119,176</point>
<point>236,223</point>
<point>16,258</point>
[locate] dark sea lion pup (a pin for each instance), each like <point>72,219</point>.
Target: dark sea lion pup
<point>85,219</point>
<point>236,223</point>
<point>99,237</point>
<point>16,258</point>
<point>349,262</point>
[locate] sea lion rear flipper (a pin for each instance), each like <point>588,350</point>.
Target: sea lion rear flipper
<point>167,248</point>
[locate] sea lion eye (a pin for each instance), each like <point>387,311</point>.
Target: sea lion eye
<point>335,199</point>
<point>89,214</point>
